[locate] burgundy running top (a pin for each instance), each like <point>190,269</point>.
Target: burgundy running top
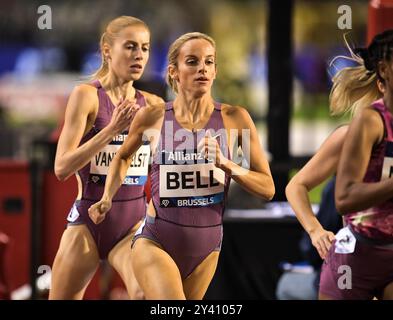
<point>93,175</point>
<point>186,188</point>
<point>377,222</point>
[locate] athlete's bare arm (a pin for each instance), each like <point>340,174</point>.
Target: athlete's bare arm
<point>352,194</point>
<point>257,179</point>
<point>145,127</point>
<point>80,114</point>
<point>320,167</point>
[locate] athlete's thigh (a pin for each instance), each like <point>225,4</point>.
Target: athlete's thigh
<point>75,263</point>
<point>196,284</point>
<point>155,271</point>
<point>120,259</point>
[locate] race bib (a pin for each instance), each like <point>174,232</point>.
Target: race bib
<point>136,173</point>
<point>387,169</point>
<point>188,180</point>
<point>73,215</point>
<point>345,241</point>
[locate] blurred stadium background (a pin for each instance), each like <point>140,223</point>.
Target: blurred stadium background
<point>39,68</point>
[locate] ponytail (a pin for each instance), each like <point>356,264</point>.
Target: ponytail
<point>354,87</point>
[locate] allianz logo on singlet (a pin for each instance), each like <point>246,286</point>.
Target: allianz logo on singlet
<point>182,157</point>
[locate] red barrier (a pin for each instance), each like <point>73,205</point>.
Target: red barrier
<point>57,199</point>
<point>4,288</point>
<point>15,217</point>
<point>380,17</point>
<point>15,221</point>
<point>148,189</point>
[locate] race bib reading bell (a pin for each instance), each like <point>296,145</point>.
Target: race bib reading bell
<point>188,180</point>
<point>136,173</point>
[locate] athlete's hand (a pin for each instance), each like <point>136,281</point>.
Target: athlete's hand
<point>122,115</point>
<point>98,211</point>
<point>322,241</point>
<point>210,149</point>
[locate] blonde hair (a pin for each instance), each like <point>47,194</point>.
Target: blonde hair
<point>352,90</point>
<point>174,50</point>
<point>111,32</point>
<point>353,87</point>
